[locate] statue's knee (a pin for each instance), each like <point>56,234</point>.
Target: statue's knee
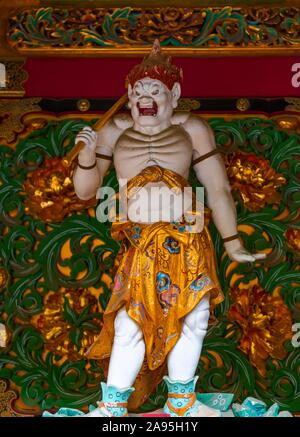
<point>195,323</point>
<point>127,331</point>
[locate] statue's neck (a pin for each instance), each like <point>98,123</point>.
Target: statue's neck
<point>152,130</point>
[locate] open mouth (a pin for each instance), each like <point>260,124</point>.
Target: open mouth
<point>148,109</point>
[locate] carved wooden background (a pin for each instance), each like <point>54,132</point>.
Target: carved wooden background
<point>57,264</point>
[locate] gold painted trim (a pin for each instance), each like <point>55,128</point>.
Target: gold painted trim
<point>15,77</point>
<point>7,397</point>
<point>29,117</point>
<point>131,52</point>
<point>13,111</point>
<point>293,104</point>
<point>147,3</point>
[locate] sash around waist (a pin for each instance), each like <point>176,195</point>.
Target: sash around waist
<point>155,173</point>
<point>173,180</point>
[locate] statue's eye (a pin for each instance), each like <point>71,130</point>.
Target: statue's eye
<point>137,93</point>
<point>155,92</point>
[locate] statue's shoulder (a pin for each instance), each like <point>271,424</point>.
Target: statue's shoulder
<point>123,121</point>
<point>108,135</point>
<point>196,121</point>
<point>188,120</point>
<point>200,133</point>
<point>180,117</point>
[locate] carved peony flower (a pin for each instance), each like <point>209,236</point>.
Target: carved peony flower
<point>172,16</point>
<point>181,24</point>
<point>88,18</point>
<point>254,179</point>
<point>50,193</point>
<point>69,322</point>
<point>265,322</point>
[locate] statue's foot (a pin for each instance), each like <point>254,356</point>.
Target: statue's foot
<point>114,402</point>
<point>182,401</point>
<point>103,411</point>
<point>192,409</point>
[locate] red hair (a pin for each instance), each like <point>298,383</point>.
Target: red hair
<point>166,73</point>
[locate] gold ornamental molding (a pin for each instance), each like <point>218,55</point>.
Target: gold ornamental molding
<point>7,397</point>
<point>12,76</point>
<point>94,28</point>
<point>293,104</point>
<point>12,113</point>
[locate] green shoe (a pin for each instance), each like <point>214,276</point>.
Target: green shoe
<point>114,402</point>
<point>182,401</point>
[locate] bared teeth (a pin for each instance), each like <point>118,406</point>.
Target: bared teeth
<point>147,109</point>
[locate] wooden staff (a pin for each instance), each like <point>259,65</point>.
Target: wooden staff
<point>70,156</point>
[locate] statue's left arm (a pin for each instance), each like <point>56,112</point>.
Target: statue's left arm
<point>211,172</point>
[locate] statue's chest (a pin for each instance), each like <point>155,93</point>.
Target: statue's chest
<point>171,148</point>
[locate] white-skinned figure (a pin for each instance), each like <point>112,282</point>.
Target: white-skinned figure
<point>166,282</point>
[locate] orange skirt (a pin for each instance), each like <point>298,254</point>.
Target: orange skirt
<point>163,274</point>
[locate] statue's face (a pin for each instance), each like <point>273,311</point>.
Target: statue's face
<point>151,102</point>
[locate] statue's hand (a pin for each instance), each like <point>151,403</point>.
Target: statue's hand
<point>237,252</point>
<point>89,137</point>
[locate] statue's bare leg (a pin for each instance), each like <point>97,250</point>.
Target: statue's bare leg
<point>184,357</point>
<point>182,364</point>
<point>126,360</point>
<point>127,353</point>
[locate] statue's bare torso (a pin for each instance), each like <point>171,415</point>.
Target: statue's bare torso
<point>171,148</point>
<point>132,150</point>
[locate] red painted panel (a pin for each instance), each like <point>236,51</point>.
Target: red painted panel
<point>203,77</point>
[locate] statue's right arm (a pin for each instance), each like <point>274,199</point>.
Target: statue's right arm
<point>99,147</point>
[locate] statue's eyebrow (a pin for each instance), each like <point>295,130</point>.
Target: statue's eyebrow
<point>156,84</point>
<point>139,82</point>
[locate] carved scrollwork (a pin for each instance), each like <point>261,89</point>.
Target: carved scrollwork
<point>94,29</point>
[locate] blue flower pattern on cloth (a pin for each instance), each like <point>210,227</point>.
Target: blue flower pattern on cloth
<point>171,245</point>
<point>199,283</point>
<point>162,281</point>
<point>136,233</point>
<point>181,227</point>
<point>167,293</point>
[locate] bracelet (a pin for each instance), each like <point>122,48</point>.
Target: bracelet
<point>84,167</point>
<point>207,155</point>
<point>100,155</point>
<point>232,237</point>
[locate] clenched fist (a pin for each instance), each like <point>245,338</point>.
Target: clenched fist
<point>89,137</point>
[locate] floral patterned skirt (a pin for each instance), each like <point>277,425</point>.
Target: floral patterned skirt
<point>162,275</point>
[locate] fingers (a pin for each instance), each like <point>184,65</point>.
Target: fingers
<point>245,256</point>
<point>88,136</point>
<point>87,129</point>
<point>259,255</point>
